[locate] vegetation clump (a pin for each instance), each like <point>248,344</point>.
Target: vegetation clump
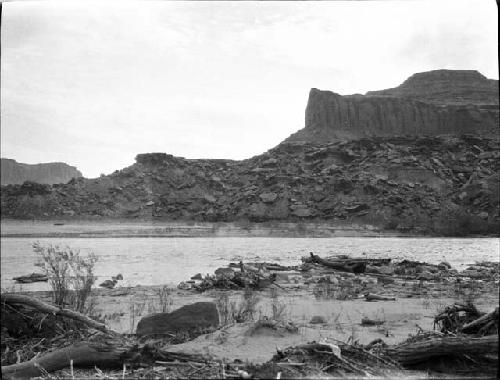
<point>71,276</point>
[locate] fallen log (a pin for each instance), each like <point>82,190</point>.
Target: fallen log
<point>371,322</point>
<point>409,354</point>
<point>111,353</point>
<point>104,352</point>
<point>343,265</point>
<point>454,317</point>
<point>375,297</point>
<point>20,299</point>
<point>33,277</point>
<point>478,324</point>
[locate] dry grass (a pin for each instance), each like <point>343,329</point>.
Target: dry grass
<point>230,311</point>
<point>70,275</point>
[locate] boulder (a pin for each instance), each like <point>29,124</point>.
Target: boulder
<point>109,284</point>
<point>317,320</point>
<point>189,318</point>
<point>444,265</point>
<point>268,197</point>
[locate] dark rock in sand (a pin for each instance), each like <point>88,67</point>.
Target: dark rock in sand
<point>197,276</point>
<point>197,316</point>
<point>317,320</point>
<point>109,284</point>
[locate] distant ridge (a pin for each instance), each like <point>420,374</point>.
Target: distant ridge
<point>13,172</point>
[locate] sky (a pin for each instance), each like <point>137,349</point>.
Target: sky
<point>93,84</point>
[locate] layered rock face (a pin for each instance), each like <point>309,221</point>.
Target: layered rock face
<point>439,102</point>
<point>13,172</point>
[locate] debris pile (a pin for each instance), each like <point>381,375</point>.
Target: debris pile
<point>255,276</point>
<point>465,318</point>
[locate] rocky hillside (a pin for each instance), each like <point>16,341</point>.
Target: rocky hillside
<point>423,183</point>
<point>13,172</point>
<point>446,184</point>
<point>431,103</point>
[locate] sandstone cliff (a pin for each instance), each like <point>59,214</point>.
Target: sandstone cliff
<point>439,102</point>
<point>13,172</point>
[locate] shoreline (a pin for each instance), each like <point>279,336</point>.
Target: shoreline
<point>84,228</point>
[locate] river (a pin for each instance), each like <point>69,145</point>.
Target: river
<point>167,260</point>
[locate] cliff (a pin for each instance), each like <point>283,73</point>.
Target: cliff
<point>13,172</point>
<point>434,103</point>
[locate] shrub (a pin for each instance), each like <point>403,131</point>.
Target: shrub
<point>70,275</point>
<point>230,311</point>
<point>165,298</point>
<point>278,308</point>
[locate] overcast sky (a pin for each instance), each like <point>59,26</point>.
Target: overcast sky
<point>93,84</point>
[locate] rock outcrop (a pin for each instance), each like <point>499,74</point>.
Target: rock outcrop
<point>439,102</point>
<point>13,172</point>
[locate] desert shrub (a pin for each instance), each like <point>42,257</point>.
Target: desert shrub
<point>70,275</point>
<point>247,307</point>
<point>231,311</point>
<point>226,308</point>
<point>278,308</point>
<point>165,299</point>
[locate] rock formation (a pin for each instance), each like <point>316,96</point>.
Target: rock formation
<point>388,174</point>
<point>432,103</point>
<point>13,172</point>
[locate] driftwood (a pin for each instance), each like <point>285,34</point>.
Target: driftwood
<point>51,309</point>
<point>352,266</point>
<point>33,277</point>
<point>482,323</point>
<point>454,317</point>
<point>371,322</point>
<point>409,354</point>
<point>375,297</point>
<point>105,352</point>
<point>111,353</point>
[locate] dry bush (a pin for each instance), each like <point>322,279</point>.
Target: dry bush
<point>278,308</point>
<point>70,275</point>
<point>230,311</point>
<point>165,298</point>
